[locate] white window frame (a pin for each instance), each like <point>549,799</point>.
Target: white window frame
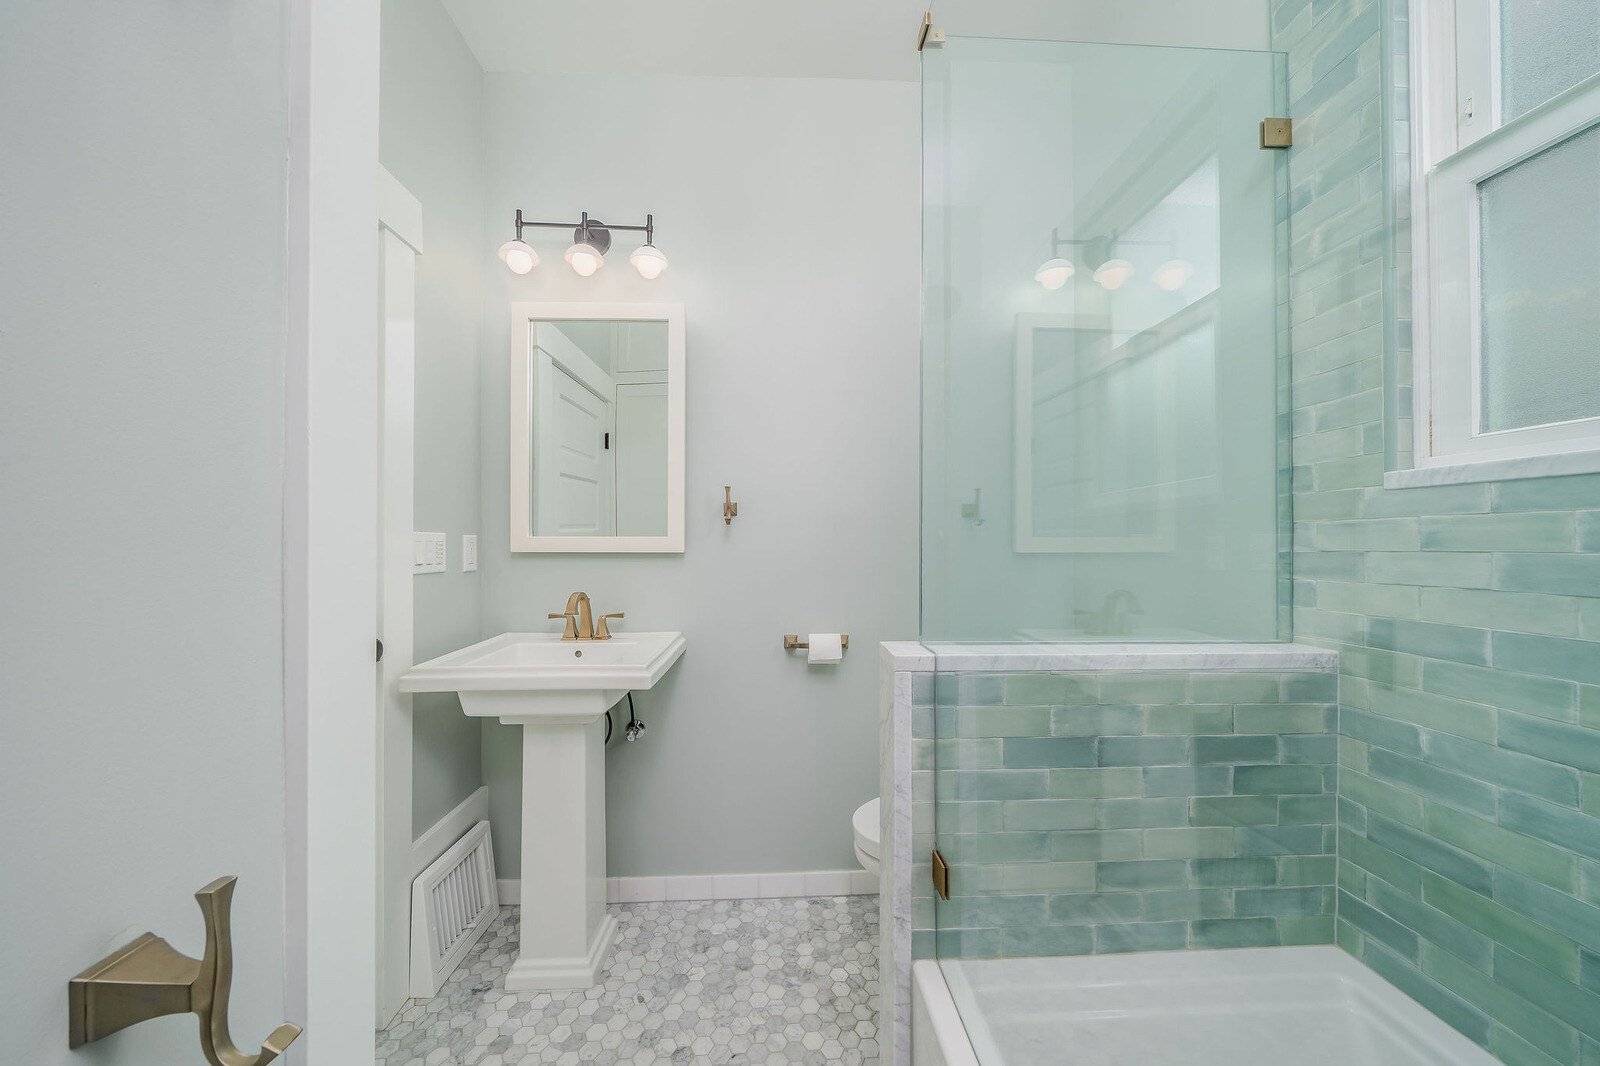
<point>1458,141</point>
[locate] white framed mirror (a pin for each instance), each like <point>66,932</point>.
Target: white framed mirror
<point>597,427</point>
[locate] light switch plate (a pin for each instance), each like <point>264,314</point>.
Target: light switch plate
<point>429,553</point>
<point>469,552</point>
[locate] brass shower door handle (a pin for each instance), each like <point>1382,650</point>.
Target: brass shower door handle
<point>148,978</point>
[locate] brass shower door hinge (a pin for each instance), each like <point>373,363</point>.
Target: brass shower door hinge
<point>1277,133</point>
<point>941,875</point>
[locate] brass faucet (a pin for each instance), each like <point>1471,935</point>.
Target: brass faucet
<point>581,622</point>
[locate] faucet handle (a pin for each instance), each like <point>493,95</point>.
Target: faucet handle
<point>571,631</point>
<point>602,629</point>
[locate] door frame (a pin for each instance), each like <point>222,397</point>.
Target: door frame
<point>330,553</point>
<point>400,237</point>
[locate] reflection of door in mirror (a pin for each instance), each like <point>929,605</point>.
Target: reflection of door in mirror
<point>599,433</point>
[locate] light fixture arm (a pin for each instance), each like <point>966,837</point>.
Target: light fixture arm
<point>591,231</point>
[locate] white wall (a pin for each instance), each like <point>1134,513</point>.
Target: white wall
<point>1196,23</point>
<point>141,446</point>
<point>431,140</point>
<point>789,210</point>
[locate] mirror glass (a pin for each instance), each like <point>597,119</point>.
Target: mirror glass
<point>601,472</point>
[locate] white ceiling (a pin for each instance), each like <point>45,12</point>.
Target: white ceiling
<point>801,38</point>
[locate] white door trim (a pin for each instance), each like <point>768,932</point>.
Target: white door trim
<point>398,211</point>
<point>330,540</point>
<point>400,232</point>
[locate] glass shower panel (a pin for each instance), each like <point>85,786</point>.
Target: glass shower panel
<point>1102,388</point>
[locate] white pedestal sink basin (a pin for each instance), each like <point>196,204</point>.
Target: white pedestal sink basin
<point>556,691</point>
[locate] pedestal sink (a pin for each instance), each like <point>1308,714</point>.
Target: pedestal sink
<point>556,691</point>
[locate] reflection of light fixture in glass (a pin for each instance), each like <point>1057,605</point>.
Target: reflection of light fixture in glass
<point>516,255</point>
<point>1053,273</point>
<point>1109,270</point>
<point>1113,274</point>
<point>591,241</point>
<point>1173,274</point>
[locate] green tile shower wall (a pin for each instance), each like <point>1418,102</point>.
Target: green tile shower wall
<point>1466,616</point>
<point>1109,812</point>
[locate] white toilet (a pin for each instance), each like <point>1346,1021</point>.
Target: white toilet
<point>864,824</point>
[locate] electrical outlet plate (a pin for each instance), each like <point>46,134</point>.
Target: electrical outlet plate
<point>469,552</point>
<point>429,553</point>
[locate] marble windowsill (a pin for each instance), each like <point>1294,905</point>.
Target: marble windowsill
<point>1528,466</point>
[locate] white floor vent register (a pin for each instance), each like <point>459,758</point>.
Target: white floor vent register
<point>453,902</point>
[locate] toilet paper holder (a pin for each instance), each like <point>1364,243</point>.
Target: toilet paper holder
<point>792,642</point>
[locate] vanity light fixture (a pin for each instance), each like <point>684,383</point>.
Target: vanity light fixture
<point>518,256</point>
<point>648,261</point>
<point>591,240</point>
<point>584,257</point>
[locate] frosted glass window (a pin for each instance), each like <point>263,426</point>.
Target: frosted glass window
<point>1546,47</point>
<point>1540,288</point>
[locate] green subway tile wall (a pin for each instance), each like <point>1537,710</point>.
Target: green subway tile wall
<point>1126,811</point>
<point>1466,616</point>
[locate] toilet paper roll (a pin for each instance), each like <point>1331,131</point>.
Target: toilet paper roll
<point>825,648</point>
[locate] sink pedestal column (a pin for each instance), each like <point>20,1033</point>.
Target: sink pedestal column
<point>556,691</point>
<point>565,930</point>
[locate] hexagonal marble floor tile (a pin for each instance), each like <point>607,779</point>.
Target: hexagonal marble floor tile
<point>714,981</point>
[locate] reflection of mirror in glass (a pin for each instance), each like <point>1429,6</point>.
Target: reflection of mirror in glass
<point>599,429</point>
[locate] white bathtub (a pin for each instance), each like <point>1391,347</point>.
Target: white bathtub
<point>1308,1006</point>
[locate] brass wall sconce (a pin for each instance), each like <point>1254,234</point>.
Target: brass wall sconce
<point>147,978</point>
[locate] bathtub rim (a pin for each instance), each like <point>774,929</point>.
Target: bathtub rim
<point>934,1011</point>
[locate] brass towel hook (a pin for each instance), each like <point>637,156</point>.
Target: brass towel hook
<point>148,978</point>
<point>730,510</point>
